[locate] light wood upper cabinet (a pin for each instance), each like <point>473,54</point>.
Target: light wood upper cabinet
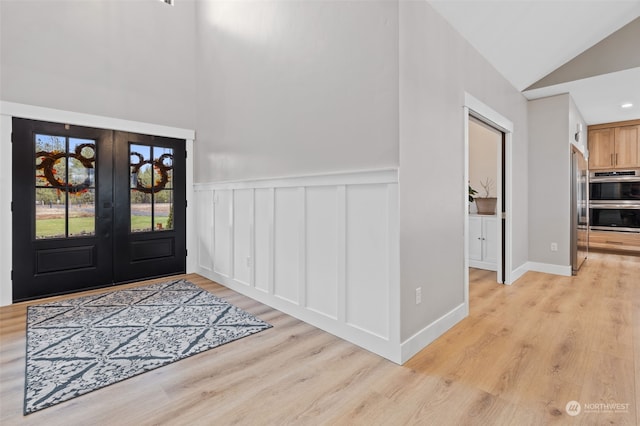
<point>626,147</point>
<point>613,146</point>
<point>601,149</point>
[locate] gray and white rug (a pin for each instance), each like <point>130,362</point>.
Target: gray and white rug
<point>80,345</point>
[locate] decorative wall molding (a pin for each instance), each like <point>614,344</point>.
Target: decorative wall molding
<point>322,248</point>
<point>338,178</point>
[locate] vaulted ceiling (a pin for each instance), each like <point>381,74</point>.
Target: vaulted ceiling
<point>588,48</point>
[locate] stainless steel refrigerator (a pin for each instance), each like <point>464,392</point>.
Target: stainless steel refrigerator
<point>579,209</point>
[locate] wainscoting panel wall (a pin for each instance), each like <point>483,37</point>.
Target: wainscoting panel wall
<point>320,248</point>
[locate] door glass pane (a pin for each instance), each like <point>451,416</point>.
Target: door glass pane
<point>141,218</point>
<point>141,170</point>
<point>162,168</point>
<point>51,160</point>
<point>163,210</point>
<point>50,213</point>
<point>82,213</point>
<point>81,164</point>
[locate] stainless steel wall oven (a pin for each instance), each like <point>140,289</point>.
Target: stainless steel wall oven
<point>615,200</point>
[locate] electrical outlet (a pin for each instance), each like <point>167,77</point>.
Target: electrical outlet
<point>249,262</point>
<point>554,246</point>
<point>418,295</point>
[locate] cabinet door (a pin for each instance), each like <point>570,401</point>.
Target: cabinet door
<point>601,149</point>
<point>490,242</point>
<point>475,238</point>
<point>626,147</point>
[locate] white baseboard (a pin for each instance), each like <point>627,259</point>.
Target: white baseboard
<point>519,272</point>
<point>549,268</point>
<point>371,342</point>
<point>418,341</point>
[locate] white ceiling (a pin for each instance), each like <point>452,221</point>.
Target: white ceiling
<point>525,40</point>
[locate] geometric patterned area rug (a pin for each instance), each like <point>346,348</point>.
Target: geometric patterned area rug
<point>79,345</point>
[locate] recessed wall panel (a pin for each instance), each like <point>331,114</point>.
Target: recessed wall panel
<point>367,286</point>
<point>263,215</point>
<point>204,227</point>
<point>242,218</point>
<point>288,217</point>
<point>222,230</point>
<point>322,250</point>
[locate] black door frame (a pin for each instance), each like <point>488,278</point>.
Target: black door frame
<point>22,176</point>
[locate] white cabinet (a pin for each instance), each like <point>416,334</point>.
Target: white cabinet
<point>483,244</point>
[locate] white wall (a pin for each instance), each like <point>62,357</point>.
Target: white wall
<point>123,59</point>
<point>549,191</point>
<point>552,125</point>
<point>289,88</point>
<point>437,66</point>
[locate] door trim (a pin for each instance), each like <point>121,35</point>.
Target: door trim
<point>8,110</point>
<point>477,109</point>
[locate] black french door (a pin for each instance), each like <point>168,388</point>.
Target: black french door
<point>94,207</point>
<point>150,204</point>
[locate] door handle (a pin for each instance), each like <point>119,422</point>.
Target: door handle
<point>616,163</point>
<point>611,160</point>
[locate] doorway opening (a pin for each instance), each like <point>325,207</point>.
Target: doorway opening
<point>94,207</point>
<point>493,230</point>
<point>485,172</point>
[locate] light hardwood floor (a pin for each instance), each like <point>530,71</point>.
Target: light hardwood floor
<point>522,354</point>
